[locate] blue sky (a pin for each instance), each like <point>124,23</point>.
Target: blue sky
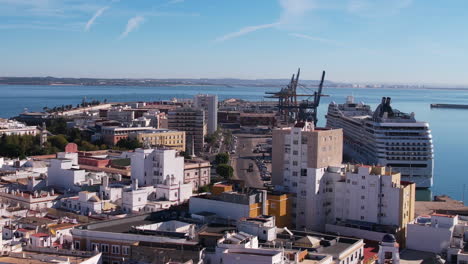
<point>398,41</point>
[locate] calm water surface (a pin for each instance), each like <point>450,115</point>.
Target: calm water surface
<point>449,126</point>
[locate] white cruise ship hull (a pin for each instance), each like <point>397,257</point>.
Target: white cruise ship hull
<point>401,143</point>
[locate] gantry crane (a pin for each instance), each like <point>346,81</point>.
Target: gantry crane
<point>290,109</point>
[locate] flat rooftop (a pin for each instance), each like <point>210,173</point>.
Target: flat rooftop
<point>442,205</point>
<point>417,257</point>
<point>125,225</point>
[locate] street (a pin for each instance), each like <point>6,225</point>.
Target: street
<point>244,157</point>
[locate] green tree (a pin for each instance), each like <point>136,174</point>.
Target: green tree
<point>58,141</point>
<point>203,189</point>
<point>222,158</point>
<point>225,171</point>
<point>126,143</point>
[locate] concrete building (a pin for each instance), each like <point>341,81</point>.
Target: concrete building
<point>209,103</point>
<point>135,199</point>
<point>161,138</point>
<point>112,134</point>
<point>368,201</point>
<point>156,118</point>
<point>233,206</point>
<point>157,166</point>
<point>86,203</point>
<point>34,200</point>
<point>43,255</point>
<point>257,119</point>
<point>263,227</point>
<point>438,233</point>
<point>192,121</point>
<point>300,157</point>
<point>197,172</point>
<point>162,169</point>
<point>120,239</point>
<point>12,127</point>
<point>122,114</point>
<point>64,171</point>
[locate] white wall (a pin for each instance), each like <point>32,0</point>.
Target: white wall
<point>225,210</point>
<point>354,232</point>
<point>427,238</point>
<point>61,173</point>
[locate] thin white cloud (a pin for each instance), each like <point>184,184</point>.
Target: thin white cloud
<point>377,7</point>
<point>175,1</point>
<point>294,10</point>
<point>132,24</point>
<point>304,36</point>
<point>244,31</point>
<point>95,16</point>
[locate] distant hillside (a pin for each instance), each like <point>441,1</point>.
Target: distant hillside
<point>154,82</point>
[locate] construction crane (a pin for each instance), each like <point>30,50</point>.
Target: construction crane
<point>290,109</point>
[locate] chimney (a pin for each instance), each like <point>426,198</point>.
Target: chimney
<point>135,184</point>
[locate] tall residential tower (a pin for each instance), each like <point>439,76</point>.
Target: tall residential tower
<point>209,104</point>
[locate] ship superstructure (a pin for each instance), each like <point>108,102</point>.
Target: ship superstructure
<point>385,137</point>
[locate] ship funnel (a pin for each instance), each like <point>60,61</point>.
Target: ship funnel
<point>388,101</point>
<point>383,100</point>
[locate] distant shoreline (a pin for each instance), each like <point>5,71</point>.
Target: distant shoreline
<point>239,85</point>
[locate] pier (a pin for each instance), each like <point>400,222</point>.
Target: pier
<point>453,106</point>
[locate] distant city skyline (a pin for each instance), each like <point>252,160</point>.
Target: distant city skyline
<point>356,41</point>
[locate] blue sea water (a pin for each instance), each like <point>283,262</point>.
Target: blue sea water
<point>449,126</point>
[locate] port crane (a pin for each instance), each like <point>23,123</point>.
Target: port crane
<point>290,109</point>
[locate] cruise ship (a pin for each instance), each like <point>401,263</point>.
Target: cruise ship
<point>385,137</point>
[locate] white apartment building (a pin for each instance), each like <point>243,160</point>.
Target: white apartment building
<point>135,198</point>
<point>263,227</point>
<point>209,103</point>
<point>123,114</point>
<point>439,233</point>
<point>86,203</point>
<point>368,202</point>
<point>329,195</point>
<point>163,170</point>
<point>157,166</point>
<point>12,127</point>
<point>374,195</point>
<point>64,171</point>
<point>301,155</point>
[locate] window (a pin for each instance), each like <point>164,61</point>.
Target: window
<point>363,197</point>
<point>115,249</point>
<point>294,184</point>
<point>303,172</point>
<point>362,217</point>
<point>94,246</point>
<point>295,152</point>
<point>363,177</point>
<point>294,173</point>
<point>77,245</point>
<point>104,248</point>
<point>363,187</point>
<point>294,163</point>
<point>126,250</point>
<point>362,207</point>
